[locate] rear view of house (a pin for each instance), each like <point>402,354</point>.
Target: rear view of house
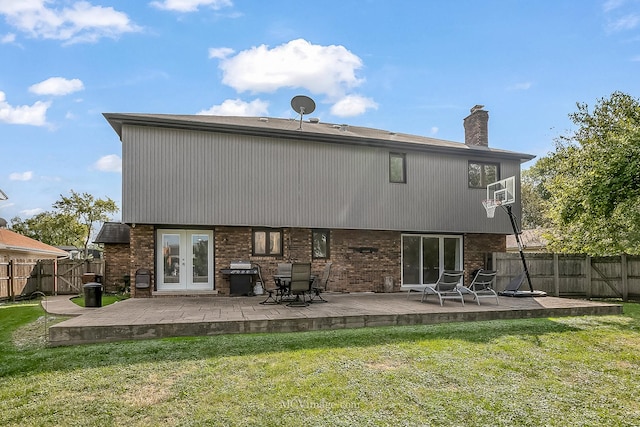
<point>202,192</point>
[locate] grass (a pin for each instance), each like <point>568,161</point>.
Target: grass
<point>106,299</point>
<point>578,371</point>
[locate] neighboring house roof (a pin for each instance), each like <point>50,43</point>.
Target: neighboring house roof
<point>311,130</point>
<point>532,241</point>
<point>12,241</point>
<point>113,233</point>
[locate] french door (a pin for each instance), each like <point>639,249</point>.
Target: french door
<point>185,260</point>
<point>424,257</point>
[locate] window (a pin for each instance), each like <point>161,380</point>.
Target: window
<point>425,256</point>
<point>398,167</point>
<point>320,244</point>
<point>267,242</point>
<point>481,174</point>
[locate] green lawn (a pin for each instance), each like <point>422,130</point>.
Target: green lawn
<point>581,371</point>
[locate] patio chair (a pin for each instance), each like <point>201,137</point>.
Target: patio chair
<point>447,287</point>
<point>481,286</point>
<point>299,285</point>
<point>282,279</point>
<point>272,293</point>
<point>320,285</point>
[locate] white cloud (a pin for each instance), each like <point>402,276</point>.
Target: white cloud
<point>434,130</point>
<point>352,105</point>
<point>190,5</point>
<point>24,176</point>
<point>34,115</point>
<point>329,70</point>
<point>31,212</point>
<point>8,38</point>
<point>628,22</point>
<point>57,86</point>
<point>81,22</point>
<point>521,86</point>
<point>220,52</point>
<point>610,5</point>
<point>109,163</point>
<point>237,107</point>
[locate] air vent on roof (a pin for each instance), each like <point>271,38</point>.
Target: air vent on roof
<point>314,120</point>
<point>342,128</point>
<point>264,119</point>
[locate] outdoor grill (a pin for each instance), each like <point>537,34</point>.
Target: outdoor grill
<point>241,277</point>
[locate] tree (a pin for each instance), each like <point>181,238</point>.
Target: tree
<point>535,197</point>
<point>86,210</point>
<point>593,180</point>
<point>52,228</point>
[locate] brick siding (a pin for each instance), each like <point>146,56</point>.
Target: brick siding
<point>362,260</point>
<point>478,249</point>
<point>116,259</point>
<point>142,238</point>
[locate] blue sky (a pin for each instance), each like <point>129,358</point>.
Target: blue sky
<point>406,66</point>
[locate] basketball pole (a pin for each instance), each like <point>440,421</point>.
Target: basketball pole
<point>516,232</point>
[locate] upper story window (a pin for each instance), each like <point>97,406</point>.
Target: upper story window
<point>267,242</point>
<point>481,174</point>
<point>398,167</point>
<point>320,242</point>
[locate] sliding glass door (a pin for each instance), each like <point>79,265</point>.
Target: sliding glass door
<point>425,256</point>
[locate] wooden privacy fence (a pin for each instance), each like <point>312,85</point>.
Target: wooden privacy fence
<point>22,278</point>
<point>579,276</point>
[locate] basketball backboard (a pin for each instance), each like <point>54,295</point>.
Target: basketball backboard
<point>503,192</point>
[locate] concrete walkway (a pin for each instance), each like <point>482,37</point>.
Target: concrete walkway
<point>61,305</point>
<point>144,318</point>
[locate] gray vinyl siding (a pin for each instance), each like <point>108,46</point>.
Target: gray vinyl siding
<point>195,178</point>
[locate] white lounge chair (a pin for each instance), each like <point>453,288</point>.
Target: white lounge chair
<point>482,286</point>
<point>447,287</point>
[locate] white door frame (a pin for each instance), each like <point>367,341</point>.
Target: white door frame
<point>177,264</point>
<point>441,266</point>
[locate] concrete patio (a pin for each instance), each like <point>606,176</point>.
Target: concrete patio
<point>146,318</point>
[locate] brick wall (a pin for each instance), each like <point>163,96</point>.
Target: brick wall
<point>230,243</point>
<point>117,260</point>
<point>478,249</point>
<point>142,241</point>
<point>362,260</point>
<point>357,271</point>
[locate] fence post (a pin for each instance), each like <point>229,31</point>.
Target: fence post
<point>39,275</point>
<point>588,276</point>
<point>10,290</point>
<point>556,275</point>
<point>625,278</point>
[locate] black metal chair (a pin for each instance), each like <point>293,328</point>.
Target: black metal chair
<point>320,285</point>
<point>272,293</point>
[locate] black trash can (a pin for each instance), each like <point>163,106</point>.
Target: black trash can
<point>92,295</point>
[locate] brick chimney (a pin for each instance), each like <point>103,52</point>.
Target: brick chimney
<point>476,129</point>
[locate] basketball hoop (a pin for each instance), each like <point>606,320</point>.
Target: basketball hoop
<point>490,205</point>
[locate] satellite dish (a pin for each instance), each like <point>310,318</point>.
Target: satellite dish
<point>302,105</point>
<point>3,196</point>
